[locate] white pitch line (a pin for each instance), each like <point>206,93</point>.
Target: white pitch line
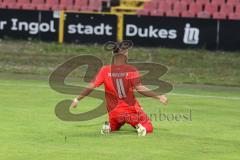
<point>171,94</point>
<point>202,96</point>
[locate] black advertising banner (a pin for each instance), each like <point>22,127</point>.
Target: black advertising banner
<point>149,31</point>
<point>229,35</point>
<point>16,24</point>
<point>49,25</point>
<point>26,24</point>
<point>90,28</point>
<point>170,32</point>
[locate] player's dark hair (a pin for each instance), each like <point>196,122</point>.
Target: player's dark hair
<point>116,50</point>
<point>117,47</point>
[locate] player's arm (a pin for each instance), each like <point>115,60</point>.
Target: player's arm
<point>148,93</point>
<point>99,79</point>
<point>83,94</point>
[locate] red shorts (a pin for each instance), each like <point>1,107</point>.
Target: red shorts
<point>130,115</point>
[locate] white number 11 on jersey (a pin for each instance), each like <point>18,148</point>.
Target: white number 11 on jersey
<point>120,88</point>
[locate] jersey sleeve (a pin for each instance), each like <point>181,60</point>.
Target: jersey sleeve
<point>135,78</point>
<point>99,78</point>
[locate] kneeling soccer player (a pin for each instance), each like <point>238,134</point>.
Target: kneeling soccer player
<point>120,81</point>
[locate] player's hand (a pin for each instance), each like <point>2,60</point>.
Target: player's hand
<point>163,99</point>
<point>74,103</point>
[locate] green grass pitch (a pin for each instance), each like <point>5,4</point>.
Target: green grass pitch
<point>30,129</point>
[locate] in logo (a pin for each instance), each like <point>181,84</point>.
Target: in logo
<point>191,35</point>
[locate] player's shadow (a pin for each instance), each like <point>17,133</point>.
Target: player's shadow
<point>88,125</point>
<point>122,132</point>
<point>85,134</point>
<point>97,134</point>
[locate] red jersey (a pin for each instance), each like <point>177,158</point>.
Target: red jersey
<point>119,82</point>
